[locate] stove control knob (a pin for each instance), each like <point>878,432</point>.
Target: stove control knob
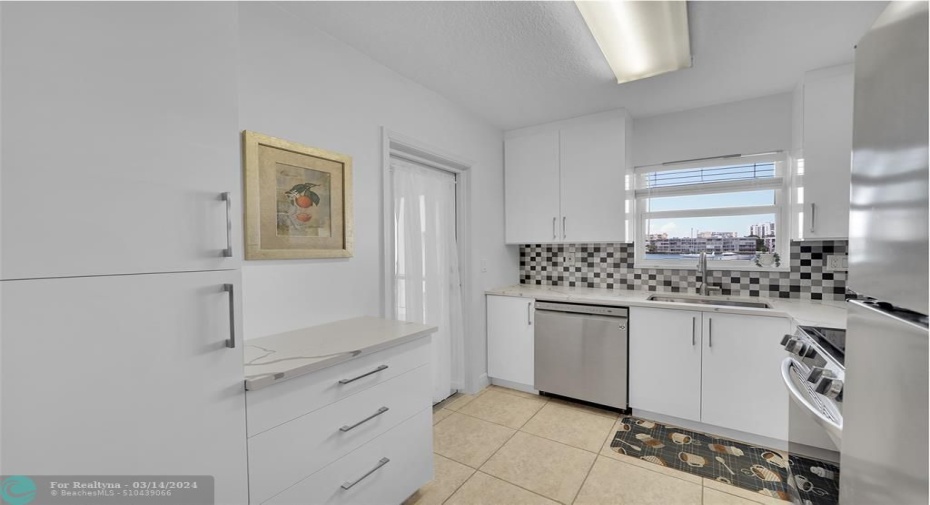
<point>786,339</point>
<point>796,347</point>
<point>831,388</point>
<point>816,373</point>
<point>810,353</point>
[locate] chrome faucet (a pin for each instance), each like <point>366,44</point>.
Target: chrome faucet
<point>703,289</point>
<point>702,270</point>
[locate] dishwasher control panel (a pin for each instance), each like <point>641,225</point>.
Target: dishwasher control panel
<point>583,309</point>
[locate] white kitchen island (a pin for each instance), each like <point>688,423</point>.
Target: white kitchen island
<point>339,413</point>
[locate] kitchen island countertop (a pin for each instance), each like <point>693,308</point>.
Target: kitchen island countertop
<point>804,312</point>
<point>275,358</point>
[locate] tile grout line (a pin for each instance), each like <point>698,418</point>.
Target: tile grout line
<point>519,486</point>
<point>456,490</point>
<point>596,454</point>
<point>496,423</point>
<point>515,431</point>
<point>585,480</point>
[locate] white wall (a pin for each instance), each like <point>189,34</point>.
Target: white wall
<point>298,83</point>
<point>746,127</point>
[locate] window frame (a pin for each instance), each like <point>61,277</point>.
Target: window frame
<point>781,208</point>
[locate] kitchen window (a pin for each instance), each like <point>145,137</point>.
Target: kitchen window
<point>731,208</point>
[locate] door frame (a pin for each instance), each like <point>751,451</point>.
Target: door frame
<point>394,144</point>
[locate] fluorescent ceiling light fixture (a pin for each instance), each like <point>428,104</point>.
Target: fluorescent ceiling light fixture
<point>639,38</point>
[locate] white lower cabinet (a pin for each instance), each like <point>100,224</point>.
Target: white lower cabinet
<point>741,385</point>
<point>511,339</point>
<point>380,472</point>
<point>384,428</point>
<point>716,368</point>
<point>665,357</point>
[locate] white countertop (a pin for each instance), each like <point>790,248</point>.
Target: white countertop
<point>803,312</point>
<point>275,358</point>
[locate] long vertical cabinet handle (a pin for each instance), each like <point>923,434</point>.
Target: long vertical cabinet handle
<point>710,332</point>
<point>231,342</point>
<point>693,322</point>
<point>554,235</point>
<point>227,197</point>
<point>813,213</point>
<point>563,227</point>
<point>529,314</point>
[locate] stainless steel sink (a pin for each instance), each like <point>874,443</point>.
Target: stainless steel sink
<point>710,301</point>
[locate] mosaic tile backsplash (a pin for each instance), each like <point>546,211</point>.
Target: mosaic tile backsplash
<point>611,266</point>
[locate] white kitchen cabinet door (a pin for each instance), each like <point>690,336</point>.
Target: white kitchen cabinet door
<point>127,375</point>
<point>593,169</point>
<point>531,183</point>
<point>742,386</point>
<point>120,132</point>
<point>665,362</point>
<point>828,120</point>
<point>511,339</point>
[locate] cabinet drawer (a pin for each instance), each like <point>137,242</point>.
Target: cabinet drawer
<point>274,405</point>
<point>408,449</point>
<point>280,457</point>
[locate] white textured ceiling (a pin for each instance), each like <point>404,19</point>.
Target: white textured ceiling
<point>523,63</point>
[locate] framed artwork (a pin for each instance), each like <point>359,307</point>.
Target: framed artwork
<point>298,200</point>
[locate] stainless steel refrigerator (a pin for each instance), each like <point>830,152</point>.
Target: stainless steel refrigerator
<point>884,448</point>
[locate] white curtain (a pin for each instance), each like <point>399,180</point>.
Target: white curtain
<point>426,268</point>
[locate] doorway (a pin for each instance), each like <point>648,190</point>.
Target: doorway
<point>423,240</point>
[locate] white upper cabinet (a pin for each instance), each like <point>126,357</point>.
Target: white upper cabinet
<point>531,182</point>
<point>827,151</point>
<point>565,180</point>
<point>120,132</point>
<point>592,179</point>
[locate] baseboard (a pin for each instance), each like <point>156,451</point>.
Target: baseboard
<point>479,384</point>
<point>514,385</point>
<point>741,436</point>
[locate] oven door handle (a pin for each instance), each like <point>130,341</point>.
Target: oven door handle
<point>831,426</point>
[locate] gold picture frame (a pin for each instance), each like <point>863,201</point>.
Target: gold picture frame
<point>298,200</point>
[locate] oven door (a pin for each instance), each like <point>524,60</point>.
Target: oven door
<point>811,416</point>
<point>815,429</point>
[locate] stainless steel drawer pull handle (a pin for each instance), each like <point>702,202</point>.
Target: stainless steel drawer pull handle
<point>376,370</point>
<point>529,314</point>
<point>231,342</point>
<point>563,227</point>
<point>710,332</point>
<point>380,411</point>
<point>228,252</point>
<point>553,228</point>
<point>348,485</point>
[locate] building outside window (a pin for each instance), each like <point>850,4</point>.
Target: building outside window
<point>729,208</point>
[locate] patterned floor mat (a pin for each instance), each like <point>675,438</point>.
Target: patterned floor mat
<point>757,469</point>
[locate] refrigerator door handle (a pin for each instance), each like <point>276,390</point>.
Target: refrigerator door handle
<point>227,197</point>
<point>231,342</point>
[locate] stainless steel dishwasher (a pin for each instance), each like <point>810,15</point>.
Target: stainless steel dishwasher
<point>582,352</point>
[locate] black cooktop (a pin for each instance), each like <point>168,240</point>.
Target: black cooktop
<point>832,340</point>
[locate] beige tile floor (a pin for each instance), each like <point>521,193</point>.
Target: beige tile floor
<point>506,447</point>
